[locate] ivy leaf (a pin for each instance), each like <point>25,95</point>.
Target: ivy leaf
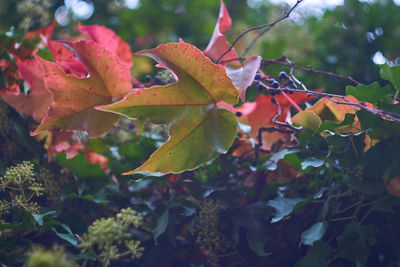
<point>356,241</point>
<point>37,102</point>
<point>108,39</point>
<point>162,224</point>
<point>371,93</point>
<point>391,74</point>
<point>75,98</point>
<point>243,77</point>
<point>218,43</point>
<point>317,255</point>
<point>313,234</point>
<point>199,130</point>
<point>283,206</point>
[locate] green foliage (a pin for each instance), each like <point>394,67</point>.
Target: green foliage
<point>330,201</point>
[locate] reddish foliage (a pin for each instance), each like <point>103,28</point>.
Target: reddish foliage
<point>108,39</point>
<point>261,113</point>
<point>218,43</point>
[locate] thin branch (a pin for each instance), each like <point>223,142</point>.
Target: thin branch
<point>271,129</point>
<point>285,62</point>
<point>268,26</point>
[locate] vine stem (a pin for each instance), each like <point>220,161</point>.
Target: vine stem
<point>268,26</point>
<point>344,101</point>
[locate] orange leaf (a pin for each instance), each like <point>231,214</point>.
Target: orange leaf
<point>75,98</point>
<point>261,112</point>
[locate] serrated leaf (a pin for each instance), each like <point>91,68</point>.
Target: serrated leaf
<point>391,74</point>
<point>372,93</point>
<point>75,98</point>
<point>199,130</point>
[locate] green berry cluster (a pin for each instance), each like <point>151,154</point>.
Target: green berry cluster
<point>20,187</point>
<point>110,238</point>
<point>55,257</point>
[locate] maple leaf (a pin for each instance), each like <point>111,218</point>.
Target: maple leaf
<point>75,98</point>
<point>243,77</point>
<point>261,113</point>
<point>218,43</point>
<point>199,130</point>
<point>108,39</point>
<point>38,100</point>
<point>65,59</point>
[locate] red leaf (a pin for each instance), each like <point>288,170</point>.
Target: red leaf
<point>218,43</point>
<point>75,99</point>
<point>108,39</point>
<point>37,102</point>
<point>66,60</point>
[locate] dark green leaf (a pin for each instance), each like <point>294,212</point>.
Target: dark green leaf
<point>313,234</point>
<point>162,224</point>
<point>69,236</point>
<point>372,93</point>
<point>39,217</point>
<point>391,74</point>
<point>283,206</point>
<point>317,255</point>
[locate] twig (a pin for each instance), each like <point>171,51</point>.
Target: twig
<point>269,25</point>
<point>271,129</point>
<point>284,61</point>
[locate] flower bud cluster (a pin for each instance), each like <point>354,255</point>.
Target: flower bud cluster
<point>39,257</point>
<point>110,238</point>
<point>208,236</point>
<point>21,186</point>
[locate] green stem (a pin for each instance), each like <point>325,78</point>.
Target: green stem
<point>395,96</point>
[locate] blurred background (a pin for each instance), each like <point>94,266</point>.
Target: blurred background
<point>348,37</point>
